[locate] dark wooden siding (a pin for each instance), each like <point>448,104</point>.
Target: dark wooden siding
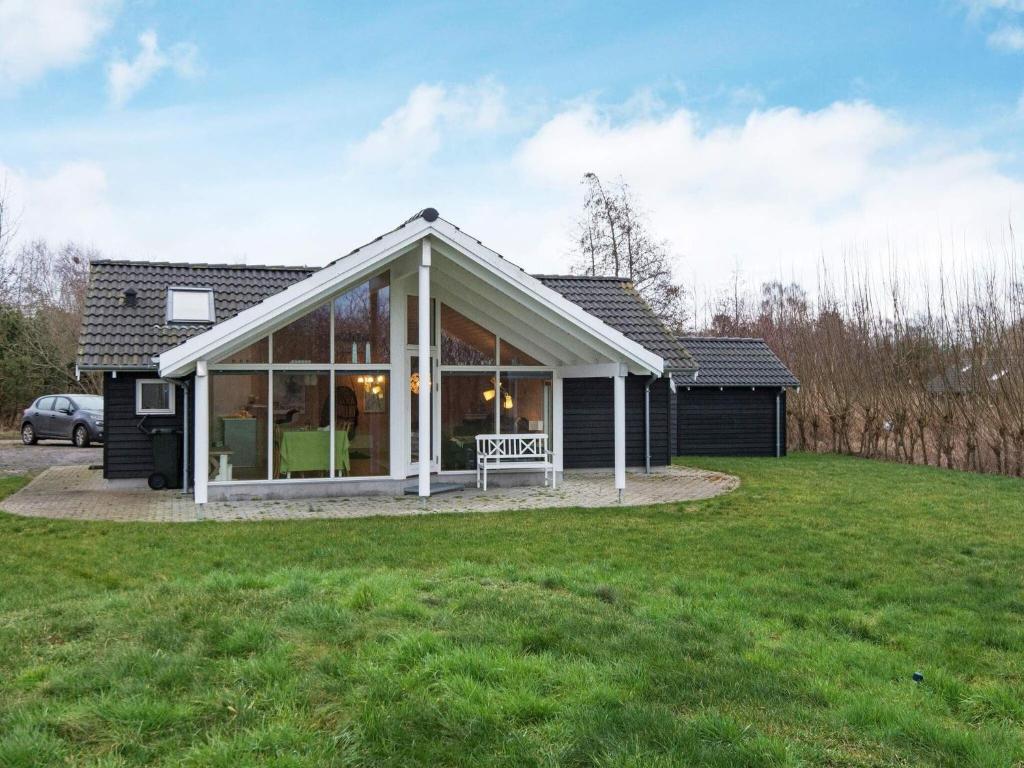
<point>673,422</point>
<point>729,422</point>
<point>588,422</point>
<point>127,452</point>
<point>782,424</point>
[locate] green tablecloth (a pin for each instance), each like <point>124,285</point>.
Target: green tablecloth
<point>308,451</point>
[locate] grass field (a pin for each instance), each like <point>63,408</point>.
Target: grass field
<point>778,625</point>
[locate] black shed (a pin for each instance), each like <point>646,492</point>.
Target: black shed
<point>735,405</point>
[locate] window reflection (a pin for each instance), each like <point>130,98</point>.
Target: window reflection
<point>362,323</point>
<point>526,403</point>
<point>513,355</point>
<point>467,410</point>
<point>254,353</point>
<point>301,418</point>
<point>412,320</point>
<point>464,342</point>
<point>307,340</point>
<point>361,422</point>
<point>238,426</point>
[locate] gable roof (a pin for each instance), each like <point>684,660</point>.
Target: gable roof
<point>115,336</point>
<point>617,302</point>
<point>733,362</point>
<point>464,251</point>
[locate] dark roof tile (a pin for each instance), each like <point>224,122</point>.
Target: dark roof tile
<point>615,301</point>
<point>116,336</point>
<point>731,362</point>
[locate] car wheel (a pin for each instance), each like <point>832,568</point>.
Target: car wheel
<point>28,434</point>
<point>80,436</point>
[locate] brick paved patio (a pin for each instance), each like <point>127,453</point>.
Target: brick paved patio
<point>78,493</point>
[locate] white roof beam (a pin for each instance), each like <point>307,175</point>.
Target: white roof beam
<point>468,300</point>
<point>500,291</point>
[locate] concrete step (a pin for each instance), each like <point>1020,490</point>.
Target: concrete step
<point>436,487</point>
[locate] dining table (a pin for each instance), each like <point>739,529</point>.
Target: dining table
<point>310,450</point>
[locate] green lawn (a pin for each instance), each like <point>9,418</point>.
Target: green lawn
<point>777,625</point>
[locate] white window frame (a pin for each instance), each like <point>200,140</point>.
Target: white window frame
<point>211,317</point>
<point>140,411</point>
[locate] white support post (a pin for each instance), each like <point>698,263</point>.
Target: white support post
<point>399,385</point>
<point>426,385</point>
<point>556,428</point>
<point>202,432</point>
<point>620,434</point>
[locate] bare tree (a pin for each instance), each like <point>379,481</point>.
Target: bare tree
<point>938,380</point>
<point>613,238</point>
<point>42,296</point>
<point>8,227</point>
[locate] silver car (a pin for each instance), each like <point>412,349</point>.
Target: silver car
<point>78,418</point>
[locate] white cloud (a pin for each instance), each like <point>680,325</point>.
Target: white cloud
<point>68,204</point>
<point>1008,38</point>
<point>127,78</point>
<point>39,35</point>
<point>785,186</point>
<point>413,133</point>
<point>777,190</point>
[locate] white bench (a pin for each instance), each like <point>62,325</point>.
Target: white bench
<point>500,452</point>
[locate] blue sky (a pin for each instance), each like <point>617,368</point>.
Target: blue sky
<point>770,136</point>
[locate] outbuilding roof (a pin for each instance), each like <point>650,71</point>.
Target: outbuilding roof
<point>615,301</point>
<point>115,335</point>
<point>734,362</point>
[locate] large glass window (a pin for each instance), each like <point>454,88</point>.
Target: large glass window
<point>492,398</point>
<point>290,437</point>
<point>412,320</point>
<point>302,408</point>
<point>307,340</point>
<point>513,355</point>
<point>464,342</point>
<point>467,410</point>
<point>361,424</point>
<point>254,353</point>
<point>238,426</point>
<point>526,403</point>
<point>362,323</point>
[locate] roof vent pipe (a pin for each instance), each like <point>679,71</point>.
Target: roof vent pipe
<point>129,297</point>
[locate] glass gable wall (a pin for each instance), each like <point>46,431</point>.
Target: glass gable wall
<point>272,403</point>
<point>312,399</point>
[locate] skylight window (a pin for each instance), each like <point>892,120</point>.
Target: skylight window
<point>190,305</point>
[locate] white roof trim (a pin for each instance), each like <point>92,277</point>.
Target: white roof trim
<point>255,322</point>
<point>548,297</point>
